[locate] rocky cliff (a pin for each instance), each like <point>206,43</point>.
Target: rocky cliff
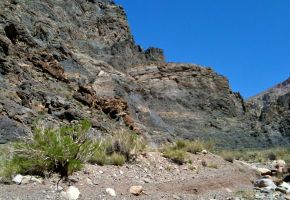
<point>62,61</point>
<point>272,109</point>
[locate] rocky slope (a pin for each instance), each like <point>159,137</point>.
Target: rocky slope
<point>272,109</point>
<point>62,61</point>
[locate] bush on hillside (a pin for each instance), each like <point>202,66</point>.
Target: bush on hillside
<point>62,150</point>
<point>123,143</point>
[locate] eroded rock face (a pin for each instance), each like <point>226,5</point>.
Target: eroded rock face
<point>272,109</point>
<point>62,61</point>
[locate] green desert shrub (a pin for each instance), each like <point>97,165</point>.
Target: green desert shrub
<point>62,150</point>
<point>100,156</point>
<point>128,144</point>
<point>180,147</point>
<point>123,144</point>
<point>176,155</point>
<point>117,159</point>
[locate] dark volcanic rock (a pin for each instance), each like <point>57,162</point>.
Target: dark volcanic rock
<point>62,61</point>
<point>9,130</point>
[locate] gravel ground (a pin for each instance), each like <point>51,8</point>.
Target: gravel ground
<point>208,177</point>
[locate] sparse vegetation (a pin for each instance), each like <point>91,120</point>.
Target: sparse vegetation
<point>177,151</point>
<point>227,156</point>
<point>124,145</point>
<point>66,149</point>
<point>62,150</point>
<point>117,159</point>
<point>177,156</point>
<point>212,165</point>
<point>256,155</point>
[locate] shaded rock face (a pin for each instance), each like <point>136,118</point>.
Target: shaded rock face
<point>272,109</point>
<point>62,61</point>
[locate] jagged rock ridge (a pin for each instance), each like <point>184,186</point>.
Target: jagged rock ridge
<point>62,61</point>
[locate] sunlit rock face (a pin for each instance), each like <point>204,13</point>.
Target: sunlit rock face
<point>62,61</point>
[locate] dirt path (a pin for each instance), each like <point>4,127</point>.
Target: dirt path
<point>160,179</point>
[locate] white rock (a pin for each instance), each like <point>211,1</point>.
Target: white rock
<point>279,163</point>
<point>17,179</point>
<point>263,171</point>
<point>284,187</point>
<point>89,181</point>
<point>136,190</point>
<point>111,192</point>
<point>37,180</point>
<point>101,172</point>
<point>121,172</point>
<point>26,179</point>
<point>264,182</point>
<point>204,151</point>
<point>72,193</point>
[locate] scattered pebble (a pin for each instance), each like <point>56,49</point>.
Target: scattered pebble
<point>111,192</point>
<point>17,179</point>
<point>136,190</point>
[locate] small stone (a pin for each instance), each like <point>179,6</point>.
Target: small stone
<point>26,180</point>
<point>264,171</point>
<point>95,182</point>
<point>72,193</point>
<point>229,190</point>
<point>111,192</point>
<point>17,179</point>
<point>136,190</point>
<point>204,151</point>
<point>37,180</point>
<point>101,172</point>
<point>146,180</point>
<point>261,183</point>
<point>89,181</point>
<point>121,172</point>
<point>176,197</point>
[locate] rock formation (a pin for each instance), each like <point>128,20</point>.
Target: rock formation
<point>272,109</point>
<point>62,61</point>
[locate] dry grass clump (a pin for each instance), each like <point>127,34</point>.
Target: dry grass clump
<point>177,156</point>
<point>122,147</point>
<point>256,155</point>
<point>177,151</point>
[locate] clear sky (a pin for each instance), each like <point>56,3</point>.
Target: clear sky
<point>248,41</point>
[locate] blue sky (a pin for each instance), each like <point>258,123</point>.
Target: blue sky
<point>248,41</point>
